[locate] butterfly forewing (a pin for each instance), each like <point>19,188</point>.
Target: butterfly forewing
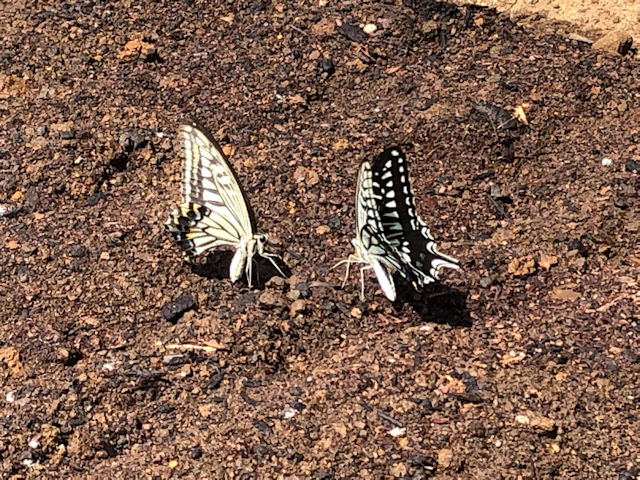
<point>401,225</point>
<point>215,212</point>
<point>209,180</point>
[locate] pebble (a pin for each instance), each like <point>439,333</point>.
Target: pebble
<point>67,135</point>
<point>485,282</point>
<point>174,359</point>
<point>196,452</point>
<point>131,140</point>
<point>298,306</point>
<point>369,28</point>
<point>174,309</point>
<point>632,166</point>
<point>270,299</point>
<point>614,42</point>
<point>327,66</point>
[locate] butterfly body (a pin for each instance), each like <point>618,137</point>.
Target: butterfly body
<point>215,212</point>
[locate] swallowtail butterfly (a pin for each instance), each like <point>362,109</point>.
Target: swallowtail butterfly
<point>215,211</point>
<point>401,226</point>
<point>372,249</point>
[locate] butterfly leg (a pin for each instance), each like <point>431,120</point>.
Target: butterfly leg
<point>351,259</point>
<point>249,271</point>
<point>270,257</point>
<point>362,269</point>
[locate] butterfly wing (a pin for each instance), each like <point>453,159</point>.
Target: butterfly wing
<point>209,179</point>
<point>215,211</point>
<point>376,250</point>
<point>401,225</point>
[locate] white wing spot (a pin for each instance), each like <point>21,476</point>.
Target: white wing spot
<point>395,153</point>
<point>391,204</point>
<point>390,194</point>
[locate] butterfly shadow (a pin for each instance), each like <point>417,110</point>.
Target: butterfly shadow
<point>216,266</point>
<point>436,303</point>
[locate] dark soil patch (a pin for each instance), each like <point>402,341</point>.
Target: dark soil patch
<point>524,364</point>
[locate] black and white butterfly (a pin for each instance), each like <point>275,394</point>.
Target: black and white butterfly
<point>402,228</point>
<point>372,248</point>
<point>215,211</point>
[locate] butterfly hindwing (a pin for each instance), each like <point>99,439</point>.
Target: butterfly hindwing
<point>401,225</point>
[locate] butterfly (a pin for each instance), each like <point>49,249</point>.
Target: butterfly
<point>215,211</point>
<point>402,228</point>
<point>371,247</point>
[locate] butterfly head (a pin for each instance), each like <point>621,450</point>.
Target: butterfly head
<point>261,242</point>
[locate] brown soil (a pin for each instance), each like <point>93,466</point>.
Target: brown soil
<point>524,364</point>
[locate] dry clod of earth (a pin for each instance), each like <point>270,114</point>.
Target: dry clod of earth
<point>120,360</point>
<point>614,42</point>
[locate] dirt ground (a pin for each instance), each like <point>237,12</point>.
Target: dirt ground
<point>525,364</point>
<point>591,18</point>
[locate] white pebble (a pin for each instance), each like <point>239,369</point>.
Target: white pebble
<point>289,413</point>
<point>10,397</point>
<point>34,444</point>
<point>606,161</point>
<point>397,431</point>
<point>369,28</point>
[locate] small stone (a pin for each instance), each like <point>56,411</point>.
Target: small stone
<point>131,140</point>
<point>327,66</point>
<point>564,294</point>
<point>547,261</point>
<point>575,244</point>
<point>42,130</point>
<point>134,49</point>
<point>522,266</point>
<point>322,229</point>
<point>270,299</point>
<point>614,42</point>
<point>485,282</point>
<point>77,251</point>
<point>620,202</point>
<point>174,359</point>
<point>352,32</point>
<point>632,166</point>
<point>196,452</point>
<point>297,307</point>
<point>398,470</point>
<point>174,309</point>
<point>397,431</point>
<point>276,282</point>
<point>445,456</point>
<point>67,135</point>
<point>369,28</point>
<point>303,288</point>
